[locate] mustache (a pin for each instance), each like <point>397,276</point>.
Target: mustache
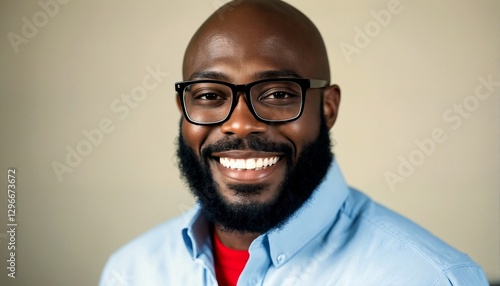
<point>250,143</point>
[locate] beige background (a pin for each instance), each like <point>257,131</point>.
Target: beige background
<point>396,89</point>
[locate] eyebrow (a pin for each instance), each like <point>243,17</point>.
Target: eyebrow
<point>278,73</point>
<point>209,75</point>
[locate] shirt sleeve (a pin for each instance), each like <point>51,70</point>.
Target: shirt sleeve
<point>463,276</point>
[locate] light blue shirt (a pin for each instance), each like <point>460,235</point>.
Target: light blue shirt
<point>339,237</point>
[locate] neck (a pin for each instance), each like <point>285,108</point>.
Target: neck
<point>234,239</point>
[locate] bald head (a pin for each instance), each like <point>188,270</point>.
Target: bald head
<point>249,36</point>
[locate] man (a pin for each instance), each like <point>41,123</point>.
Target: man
<point>254,148</point>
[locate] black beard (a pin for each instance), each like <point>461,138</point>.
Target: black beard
<point>300,181</point>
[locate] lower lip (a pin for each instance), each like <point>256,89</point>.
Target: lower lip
<point>248,176</point>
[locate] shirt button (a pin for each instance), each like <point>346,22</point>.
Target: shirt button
<point>281,258</point>
<point>252,282</point>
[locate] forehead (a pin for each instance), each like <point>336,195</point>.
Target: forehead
<point>251,42</point>
<point>236,55</point>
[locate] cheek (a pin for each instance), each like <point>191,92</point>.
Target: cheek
<point>194,135</point>
<point>305,129</point>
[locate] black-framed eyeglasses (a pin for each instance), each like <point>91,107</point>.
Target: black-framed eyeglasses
<point>206,102</point>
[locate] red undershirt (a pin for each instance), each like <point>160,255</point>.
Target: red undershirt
<point>229,263</point>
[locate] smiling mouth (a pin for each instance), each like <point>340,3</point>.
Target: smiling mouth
<point>248,164</point>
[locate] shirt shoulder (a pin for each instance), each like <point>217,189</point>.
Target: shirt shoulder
<point>147,258</point>
<point>400,244</point>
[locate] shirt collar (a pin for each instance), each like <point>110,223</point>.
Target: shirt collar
<point>319,211</point>
<point>196,232</point>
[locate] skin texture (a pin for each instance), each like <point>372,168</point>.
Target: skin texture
<point>256,40</point>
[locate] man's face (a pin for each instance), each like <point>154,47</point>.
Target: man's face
<point>239,54</point>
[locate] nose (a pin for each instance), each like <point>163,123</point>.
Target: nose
<point>242,122</point>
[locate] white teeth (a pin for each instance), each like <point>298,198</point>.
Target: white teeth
<point>240,164</point>
<point>248,164</point>
<point>259,163</point>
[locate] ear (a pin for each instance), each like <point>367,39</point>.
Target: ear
<point>331,102</point>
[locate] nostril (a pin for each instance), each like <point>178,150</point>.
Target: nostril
<point>243,125</point>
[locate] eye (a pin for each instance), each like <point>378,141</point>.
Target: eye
<point>278,95</point>
<point>208,93</point>
<point>209,96</point>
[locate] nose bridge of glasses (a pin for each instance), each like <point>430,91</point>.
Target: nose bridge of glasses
<point>239,91</point>
<point>242,108</point>
<point>242,120</point>
<point>241,100</point>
